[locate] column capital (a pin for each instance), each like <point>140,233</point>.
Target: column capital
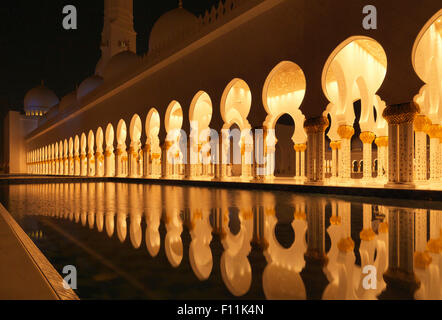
<point>300,147</point>
<point>367,137</point>
<point>346,132</point>
<point>422,123</point>
<point>434,130</point>
<point>401,113</point>
<point>335,145</point>
<point>381,141</point>
<point>315,125</point>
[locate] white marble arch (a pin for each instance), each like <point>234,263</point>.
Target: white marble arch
<point>355,70</point>
<point>152,150</point>
<point>427,63</point>
<point>174,156</point>
<point>109,160</point>
<point>61,158</point>
<point>135,159</point>
<point>91,154</point>
<point>71,156</point>
<point>200,116</point>
<point>236,102</point>
<point>99,157</point>
<point>57,160</point>
<point>283,93</point>
<point>77,170</point>
<point>121,156</point>
<point>66,157</point>
<point>83,155</point>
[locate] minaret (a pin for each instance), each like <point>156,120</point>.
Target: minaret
<point>118,30</point>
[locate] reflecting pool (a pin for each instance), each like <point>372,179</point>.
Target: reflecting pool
<point>133,241</point>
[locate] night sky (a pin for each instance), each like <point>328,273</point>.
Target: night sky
<point>34,45</point>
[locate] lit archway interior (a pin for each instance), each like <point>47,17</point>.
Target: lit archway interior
<point>109,160</point>
<point>121,156</point>
<point>283,93</point>
<point>236,102</point>
<point>427,63</point>
<point>173,124</point>
<point>200,115</point>
<point>354,71</point>
<point>91,154</point>
<point>135,163</point>
<point>152,154</point>
<point>99,157</point>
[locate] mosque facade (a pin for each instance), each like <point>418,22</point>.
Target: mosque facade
<point>252,90</point>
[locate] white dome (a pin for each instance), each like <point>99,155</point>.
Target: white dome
<point>40,98</point>
<point>68,100</point>
<point>119,64</point>
<point>171,26</point>
<point>88,85</point>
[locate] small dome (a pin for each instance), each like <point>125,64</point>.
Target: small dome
<point>88,85</point>
<point>40,98</point>
<point>171,26</point>
<point>119,64</point>
<point>68,100</point>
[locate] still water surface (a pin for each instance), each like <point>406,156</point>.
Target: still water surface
<point>131,241</point>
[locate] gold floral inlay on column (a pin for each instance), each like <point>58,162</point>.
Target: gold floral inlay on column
<point>346,132</point>
<point>422,123</point>
<point>381,141</point>
<point>335,145</point>
<point>367,137</point>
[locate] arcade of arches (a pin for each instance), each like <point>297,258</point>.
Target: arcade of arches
<point>397,144</point>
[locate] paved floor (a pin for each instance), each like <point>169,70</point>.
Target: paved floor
<point>25,274</point>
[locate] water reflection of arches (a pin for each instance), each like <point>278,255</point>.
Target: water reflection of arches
<point>152,149</point>
<point>355,70</point>
<point>152,198</point>
<point>109,160</point>
<point>121,154</point>
<point>136,214</point>
<point>235,266</point>
<point>200,116</point>
<point>122,191</point>
<point>174,156</point>
<point>136,160</point>
<point>281,278</point>
<point>173,244</point>
<point>200,253</point>
<point>283,93</point>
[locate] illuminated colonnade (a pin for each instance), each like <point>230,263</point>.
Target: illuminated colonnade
<point>354,71</point>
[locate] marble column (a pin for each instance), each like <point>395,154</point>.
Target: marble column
<point>367,139</point>
<point>400,277</point>
<point>300,160</point>
<point>315,128</point>
<point>421,126</point>
<point>346,133</point>
<point>382,144</point>
<point>335,146</point>
<point>147,167</point>
<point>400,120</point>
<point>433,132</point>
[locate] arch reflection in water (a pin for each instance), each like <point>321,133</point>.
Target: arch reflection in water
<point>236,271</point>
<point>200,253</point>
<point>397,241</point>
<point>281,279</point>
